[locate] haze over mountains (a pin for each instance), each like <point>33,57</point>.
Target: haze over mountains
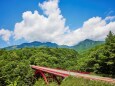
<point>82,46</point>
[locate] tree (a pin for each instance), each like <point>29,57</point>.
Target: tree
<point>101,59</point>
<point>110,38</point>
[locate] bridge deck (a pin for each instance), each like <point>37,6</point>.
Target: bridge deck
<point>64,73</point>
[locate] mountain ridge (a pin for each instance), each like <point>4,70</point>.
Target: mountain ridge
<point>86,45</point>
<point>83,45</point>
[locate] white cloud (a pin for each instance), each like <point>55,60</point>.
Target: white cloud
<point>95,28</point>
<point>39,27</point>
<point>51,26</point>
<point>5,34</point>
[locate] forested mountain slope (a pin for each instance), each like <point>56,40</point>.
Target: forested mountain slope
<point>86,45</point>
<point>81,47</point>
<point>101,59</point>
<point>15,64</point>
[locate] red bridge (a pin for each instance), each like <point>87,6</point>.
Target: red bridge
<point>49,74</point>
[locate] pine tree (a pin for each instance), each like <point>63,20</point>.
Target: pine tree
<point>110,38</point>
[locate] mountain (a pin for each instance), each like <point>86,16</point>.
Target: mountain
<point>82,46</point>
<point>32,44</point>
<point>86,44</point>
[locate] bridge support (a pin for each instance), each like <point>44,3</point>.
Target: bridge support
<point>49,77</point>
<point>42,74</point>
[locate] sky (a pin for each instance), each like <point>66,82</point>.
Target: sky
<point>65,22</point>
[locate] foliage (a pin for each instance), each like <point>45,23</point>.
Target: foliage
<point>80,47</point>
<point>15,64</point>
<point>42,83</point>
<point>87,44</point>
<point>73,81</point>
<point>101,59</point>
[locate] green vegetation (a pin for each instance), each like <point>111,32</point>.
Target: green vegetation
<point>101,59</point>
<point>15,64</point>
<point>87,44</point>
<point>73,81</point>
<point>83,46</point>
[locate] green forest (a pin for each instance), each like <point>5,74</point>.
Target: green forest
<point>15,64</point>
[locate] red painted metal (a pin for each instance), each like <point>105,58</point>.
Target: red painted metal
<point>63,74</point>
<point>44,77</point>
<point>53,74</point>
<point>50,71</point>
<point>42,74</point>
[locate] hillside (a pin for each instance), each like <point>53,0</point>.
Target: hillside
<point>32,44</point>
<point>15,64</point>
<point>86,45</point>
<point>82,46</point>
<point>100,59</point>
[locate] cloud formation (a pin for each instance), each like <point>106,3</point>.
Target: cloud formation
<point>43,28</point>
<point>5,34</point>
<point>95,28</point>
<point>50,27</point>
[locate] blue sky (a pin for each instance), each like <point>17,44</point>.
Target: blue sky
<point>74,11</point>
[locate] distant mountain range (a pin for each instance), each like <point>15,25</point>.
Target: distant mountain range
<point>87,44</point>
<point>82,46</point>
